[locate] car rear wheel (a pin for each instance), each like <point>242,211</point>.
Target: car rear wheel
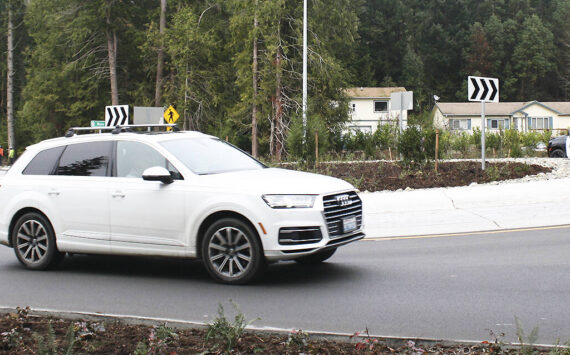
<point>231,252</point>
<point>33,241</point>
<point>558,153</point>
<point>316,258</point>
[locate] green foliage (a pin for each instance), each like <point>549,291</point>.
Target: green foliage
<point>512,142</point>
<point>49,346</point>
<point>62,72</point>
<point>461,142</point>
<point>225,334</point>
<point>412,146</point>
<point>298,339</point>
<point>526,342</point>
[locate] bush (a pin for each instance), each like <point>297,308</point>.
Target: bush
<point>413,145</point>
<point>512,143</point>
<point>461,142</point>
<point>385,136</point>
<point>493,141</point>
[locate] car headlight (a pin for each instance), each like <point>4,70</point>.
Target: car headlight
<point>289,201</point>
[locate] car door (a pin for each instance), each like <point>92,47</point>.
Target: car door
<point>147,217</point>
<point>80,194</point>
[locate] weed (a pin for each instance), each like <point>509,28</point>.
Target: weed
<point>527,342</point>
<point>413,349</point>
<point>561,350</point>
<point>493,172</point>
<point>48,346</point>
<point>226,334</point>
<point>10,340</point>
<point>496,347</point>
<point>365,342</point>
<point>298,338</point>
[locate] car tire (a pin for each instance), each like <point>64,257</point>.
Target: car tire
<point>232,253</point>
<point>558,153</point>
<point>316,258</point>
<point>33,240</point>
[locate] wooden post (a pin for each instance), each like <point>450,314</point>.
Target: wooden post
<point>316,149</point>
<point>436,147</point>
<point>226,138</point>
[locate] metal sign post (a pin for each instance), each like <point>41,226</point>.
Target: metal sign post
<point>482,135</point>
<point>402,101</point>
<point>482,90</point>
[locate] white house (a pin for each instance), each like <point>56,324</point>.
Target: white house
<point>522,116</point>
<point>370,108</point>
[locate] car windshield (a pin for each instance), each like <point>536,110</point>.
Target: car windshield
<point>210,155</point>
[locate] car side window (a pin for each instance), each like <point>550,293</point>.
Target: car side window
<point>133,158</point>
<point>44,162</point>
<point>85,159</point>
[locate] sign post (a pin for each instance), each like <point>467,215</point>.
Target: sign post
<point>402,101</point>
<point>482,90</point>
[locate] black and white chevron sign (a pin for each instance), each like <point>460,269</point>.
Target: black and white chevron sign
<point>116,115</point>
<point>482,89</point>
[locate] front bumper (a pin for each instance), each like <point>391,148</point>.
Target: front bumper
<point>335,220</point>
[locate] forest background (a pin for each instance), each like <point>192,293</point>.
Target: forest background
<point>233,68</point>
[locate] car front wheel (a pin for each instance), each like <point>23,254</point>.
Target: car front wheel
<point>231,252</point>
<point>33,241</point>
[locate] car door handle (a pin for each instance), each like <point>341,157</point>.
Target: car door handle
<point>118,194</point>
<point>53,193</point>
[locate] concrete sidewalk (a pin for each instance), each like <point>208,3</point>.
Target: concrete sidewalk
<point>467,209</point>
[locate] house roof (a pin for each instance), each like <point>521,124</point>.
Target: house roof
<point>499,109</point>
<point>368,93</point>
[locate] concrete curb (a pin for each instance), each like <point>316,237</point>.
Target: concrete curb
<point>391,341</point>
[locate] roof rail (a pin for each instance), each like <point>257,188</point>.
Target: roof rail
<point>124,128</point>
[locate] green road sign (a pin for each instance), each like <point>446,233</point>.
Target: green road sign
<point>97,123</point>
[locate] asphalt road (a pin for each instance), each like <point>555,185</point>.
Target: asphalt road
<point>453,287</point>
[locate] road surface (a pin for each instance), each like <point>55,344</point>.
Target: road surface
<point>447,287</point>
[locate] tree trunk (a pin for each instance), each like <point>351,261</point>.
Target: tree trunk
<point>10,83</point>
<point>112,51</point>
<point>278,126</point>
<point>160,64</point>
<point>254,144</point>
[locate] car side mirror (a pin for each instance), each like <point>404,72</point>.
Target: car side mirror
<point>157,173</point>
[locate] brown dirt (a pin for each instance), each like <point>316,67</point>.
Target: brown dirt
<point>21,333</point>
<point>378,176</point>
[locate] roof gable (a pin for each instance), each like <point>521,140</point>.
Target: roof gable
<point>372,93</point>
<point>500,108</point>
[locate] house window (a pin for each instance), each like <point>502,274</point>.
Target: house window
<point>498,123</point>
<point>463,124</point>
<point>540,123</point>
<point>380,106</point>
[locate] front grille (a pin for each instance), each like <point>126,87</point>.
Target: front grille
<point>339,207</point>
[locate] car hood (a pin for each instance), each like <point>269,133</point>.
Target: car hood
<point>276,181</point>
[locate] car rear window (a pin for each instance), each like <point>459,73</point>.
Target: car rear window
<point>44,162</point>
<point>85,159</point>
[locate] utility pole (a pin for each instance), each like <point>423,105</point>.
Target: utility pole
<point>10,82</point>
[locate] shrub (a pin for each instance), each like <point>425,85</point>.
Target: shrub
<point>512,143</point>
<point>412,145</point>
<point>461,142</point>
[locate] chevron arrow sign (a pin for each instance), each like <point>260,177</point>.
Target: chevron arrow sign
<point>117,115</point>
<point>482,89</point>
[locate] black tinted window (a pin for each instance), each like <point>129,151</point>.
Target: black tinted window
<point>85,159</point>
<point>44,162</point>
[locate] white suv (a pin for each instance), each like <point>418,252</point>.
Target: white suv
<point>175,194</point>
